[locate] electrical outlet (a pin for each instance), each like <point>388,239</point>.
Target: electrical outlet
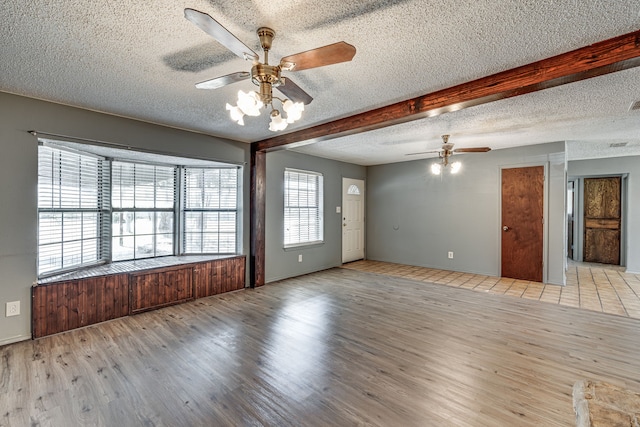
<point>13,308</point>
<point>450,255</point>
<point>300,258</point>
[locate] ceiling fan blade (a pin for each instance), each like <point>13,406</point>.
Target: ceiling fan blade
<point>293,91</point>
<point>423,152</point>
<point>319,57</point>
<point>224,80</point>
<point>212,27</point>
<point>472,150</point>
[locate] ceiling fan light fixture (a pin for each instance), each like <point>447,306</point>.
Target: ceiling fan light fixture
<point>250,103</point>
<point>277,123</point>
<point>455,167</point>
<point>236,114</point>
<point>293,109</point>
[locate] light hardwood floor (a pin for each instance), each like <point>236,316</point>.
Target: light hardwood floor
<point>596,287</point>
<point>338,347</point>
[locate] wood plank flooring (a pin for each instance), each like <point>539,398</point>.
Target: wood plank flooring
<point>338,347</point>
<point>606,289</point>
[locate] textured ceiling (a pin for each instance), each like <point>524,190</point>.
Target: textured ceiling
<point>142,59</point>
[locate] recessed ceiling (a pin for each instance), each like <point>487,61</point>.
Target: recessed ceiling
<point>141,60</point>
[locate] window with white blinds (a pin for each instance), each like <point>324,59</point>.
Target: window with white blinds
<point>72,212</point>
<point>210,209</point>
<point>93,209</point>
<point>143,209</point>
<point>303,213</point>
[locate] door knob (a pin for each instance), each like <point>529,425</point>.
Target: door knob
<point>344,225</point>
<point>505,228</point>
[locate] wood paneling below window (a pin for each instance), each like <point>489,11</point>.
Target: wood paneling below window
<point>66,305</point>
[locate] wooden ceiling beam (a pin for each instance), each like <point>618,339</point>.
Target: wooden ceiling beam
<point>616,54</point>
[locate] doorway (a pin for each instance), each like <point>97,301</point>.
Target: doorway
<point>523,223</point>
<point>599,230</point>
<point>352,219</point>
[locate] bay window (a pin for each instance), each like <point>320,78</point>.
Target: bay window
<point>93,209</point>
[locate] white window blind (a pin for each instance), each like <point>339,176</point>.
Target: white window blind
<point>210,204</point>
<point>143,203</point>
<point>71,209</point>
<point>303,213</point>
<point>94,209</point>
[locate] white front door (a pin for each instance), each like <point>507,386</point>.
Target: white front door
<point>352,219</point>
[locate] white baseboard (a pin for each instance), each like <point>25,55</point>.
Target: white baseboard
<point>14,339</point>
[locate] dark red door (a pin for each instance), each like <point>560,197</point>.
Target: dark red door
<point>522,223</point>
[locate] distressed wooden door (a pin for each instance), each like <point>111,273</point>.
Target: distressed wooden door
<point>602,217</point>
<point>522,223</point>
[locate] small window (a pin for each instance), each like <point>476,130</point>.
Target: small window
<point>71,209</point>
<point>210,210</point>
<point>143,201</point>
<point>353,190</point>
<point>303,213</point>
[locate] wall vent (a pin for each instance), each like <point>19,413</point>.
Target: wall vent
<point>635,106</point>
<point>618,144</point>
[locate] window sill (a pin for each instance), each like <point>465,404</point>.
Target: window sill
<point>303,246</point>
<point>121,267</point>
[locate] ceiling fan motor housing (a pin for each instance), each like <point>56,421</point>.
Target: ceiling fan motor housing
<point>264,75</point>
<point>267,77</point>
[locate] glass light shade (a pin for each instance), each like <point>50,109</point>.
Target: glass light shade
<point>455,167</point>
<point>236,114</point>
<point>293,109</point>
<point>277,122</point>
<point>249,103</point>
<point>436,168</point>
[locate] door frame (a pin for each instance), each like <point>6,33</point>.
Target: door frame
<point>571,231</point>
<point>578,213</point>
<point>364,216</point>
<point>545,215</point>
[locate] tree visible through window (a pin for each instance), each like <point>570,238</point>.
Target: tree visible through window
<point>303,213</point>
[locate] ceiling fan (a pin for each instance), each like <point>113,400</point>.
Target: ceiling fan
<point>264,75</point>
<point>447,150</point>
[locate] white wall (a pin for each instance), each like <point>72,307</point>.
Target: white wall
<point>414,217</point>
<point>618,166</point>
<point>18,174</point>
<point>283,263</point>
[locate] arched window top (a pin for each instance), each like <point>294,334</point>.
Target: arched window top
<point>353,190</point>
